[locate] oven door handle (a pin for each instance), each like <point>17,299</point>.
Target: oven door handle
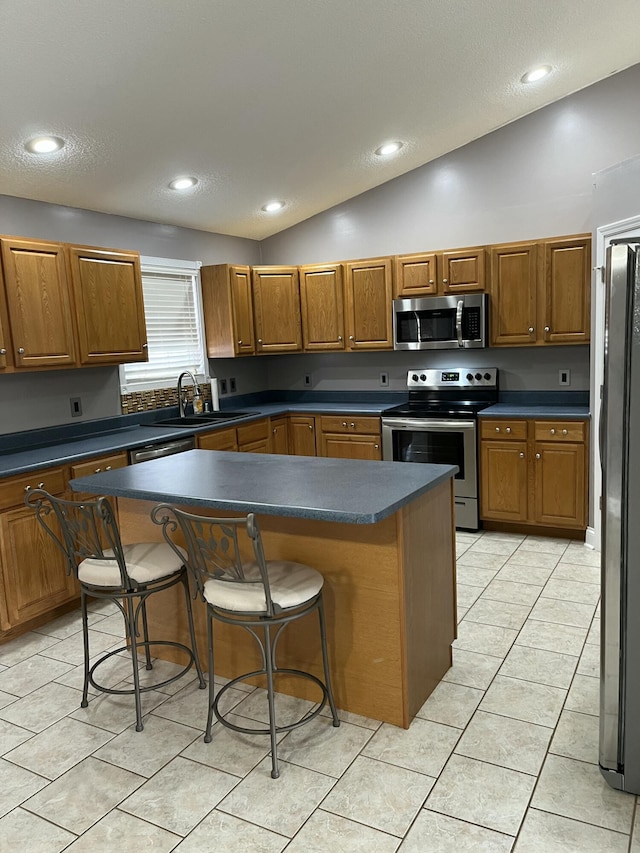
<point>427,425</point>
<point>459,322</point>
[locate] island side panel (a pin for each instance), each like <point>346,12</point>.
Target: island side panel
<point>427,539</point>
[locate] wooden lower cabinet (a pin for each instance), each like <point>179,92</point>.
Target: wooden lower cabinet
<point>350,437</point>
<point>279,435</point>
<point>534,472</point>
<point>302,435</point>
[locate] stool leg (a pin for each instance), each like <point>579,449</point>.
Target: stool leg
<point>325,662</point>
<point>212,690</point>
<point>268,654</point>
<point>145,628</point>
<point>192,633</point>
<point>131,630</point>
<point>85,640</point>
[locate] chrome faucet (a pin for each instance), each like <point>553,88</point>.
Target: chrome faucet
<point>182,397</point>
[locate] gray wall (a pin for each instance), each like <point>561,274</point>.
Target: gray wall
<point>530,179</point>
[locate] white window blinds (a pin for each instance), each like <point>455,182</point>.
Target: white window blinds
<point>173,315</point>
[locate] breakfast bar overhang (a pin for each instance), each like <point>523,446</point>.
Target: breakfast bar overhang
<point>381,533</point>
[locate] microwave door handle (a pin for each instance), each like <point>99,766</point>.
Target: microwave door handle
<point>418,335</point>
<point>459,321</point>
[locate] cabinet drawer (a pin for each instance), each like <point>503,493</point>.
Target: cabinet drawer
<point>559,430</point>
<point>221,439</point>
<point>13,489</point>
<point>350,424</point>
<point>257,431</point>
<point>503,429</point>
<point>101,463</point>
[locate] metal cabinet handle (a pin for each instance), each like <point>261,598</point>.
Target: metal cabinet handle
<point>444,281</point>
<point>547,328</point>
<point>310,427</point>
<point>351,338</point>
<point>552,431</point>
<point>259,340</point>
<point>21,350</point>
<point>497,429</point>
<point>273,430</point>
<point>377,446</point>
<point>344,423</point>
<point>145,346</point>
<point>108,468</point>
<point>239,343</point>
<point>41,485</point>
<point>339,337</point>
<point>565,432</point>
<point>538,455</point>
<point>3,351</point>
<point>431,281</point>
<point>522,456</point>
<point>97,471</point>
<point>352,425</point>
<point>508,429</point>
<point>531,330</point>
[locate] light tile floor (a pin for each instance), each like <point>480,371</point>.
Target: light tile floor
<point>503,755</point>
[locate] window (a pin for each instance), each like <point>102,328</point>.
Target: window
<point>173,314</point>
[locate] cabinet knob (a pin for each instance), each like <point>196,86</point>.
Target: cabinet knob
<point>344,423</point>
<point>431,281</point>
<point>531,330</point>
<point>108,468</point>
<point>310,427</point>
<point>522,456</point>
<point>273,430</point>
<point>145,346</point>
<point>565,431</point>
<point>352,425</point>
<point>3,351</point>
<point>497,429</point>
<point>351,337</point>
<point>444,281</point>
<point>21,350</point>
<point>239,343</point>
<point>97,471</point>
<point>41,485</point>
<point>538,455</point>
<point>547,328</point>
<point>377,446</point>
<point>508,429</point>
<point>339,337</point>
<point>552,431</point>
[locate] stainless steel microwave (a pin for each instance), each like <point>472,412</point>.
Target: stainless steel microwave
<point>441,322</point>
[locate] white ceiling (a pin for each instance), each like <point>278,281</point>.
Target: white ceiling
<point>274,99</point>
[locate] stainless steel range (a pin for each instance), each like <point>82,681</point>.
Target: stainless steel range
<point>438,424</point>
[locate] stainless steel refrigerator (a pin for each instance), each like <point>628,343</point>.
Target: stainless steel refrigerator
<point>620,455</point>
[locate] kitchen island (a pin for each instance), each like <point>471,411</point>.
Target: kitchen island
<point>381,534</point>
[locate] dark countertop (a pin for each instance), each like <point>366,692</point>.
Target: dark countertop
<point>342,490</point>
<point>512,410</point>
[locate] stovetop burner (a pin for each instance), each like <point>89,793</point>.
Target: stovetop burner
<point>459,392</point>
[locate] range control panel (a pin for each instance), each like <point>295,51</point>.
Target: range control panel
<point>453,377</point>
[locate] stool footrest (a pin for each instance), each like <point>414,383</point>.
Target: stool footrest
<point>141,645</point>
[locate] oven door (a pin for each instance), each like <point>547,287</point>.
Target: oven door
<point>443,442</point>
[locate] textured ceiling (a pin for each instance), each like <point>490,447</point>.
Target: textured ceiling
<point>284,99</point>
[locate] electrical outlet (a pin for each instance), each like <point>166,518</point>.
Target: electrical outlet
<point>307,380</point>
<point>75,404</point>
<point>232,384</point>
<point>384,379</point>
<point>223,386</point>
<point>564,377</point>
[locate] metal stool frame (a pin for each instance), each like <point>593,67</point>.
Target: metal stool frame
<point>89,530</point>
<point>214,553</point>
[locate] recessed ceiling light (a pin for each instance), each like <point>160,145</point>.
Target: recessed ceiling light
<point>44,144</point>
<point>388,149</point>
<point>536,74</point>
<point>272,206</point>
<point>183,183</point>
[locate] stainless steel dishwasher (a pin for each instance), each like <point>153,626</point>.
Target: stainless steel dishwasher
<point>156,451</point>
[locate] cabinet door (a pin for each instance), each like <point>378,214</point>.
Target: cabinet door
<point>39,303</point>
<point>503,480</point>
<point>33,568</point>
<point>566,276</point>
<point>415,275</point>
<point>463,270</point>
<point>338,446</point>
<point>302,436</point>
<point>559,476</point>
<point>227,305</point>
<point>242,310</point>
<point>221,439</point>
<point>276,303</point>
<point>368,295</point>
<point>279,435</point>
<point>321,300</point>
<point>110,309</point>
<point>514,290</point>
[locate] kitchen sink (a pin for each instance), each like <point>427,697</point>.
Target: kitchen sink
<point>200,420</point>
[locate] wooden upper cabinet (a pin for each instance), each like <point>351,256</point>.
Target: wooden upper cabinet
<point>276,305</point>
<point>514,289</point>
<point>368,295</point>
<point>107,286</point>
<point>39,303</point>
<point>415,275</point>
<point>322,304</point>
<point>463,270</point>
<point>227,302</point>
<point>566,278</point>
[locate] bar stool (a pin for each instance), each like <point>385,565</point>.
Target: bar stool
<point>261,596</point>
<point>88,535</point>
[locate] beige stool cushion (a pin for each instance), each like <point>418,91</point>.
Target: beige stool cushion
<point>146,561</point>
<point>291,585</point>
